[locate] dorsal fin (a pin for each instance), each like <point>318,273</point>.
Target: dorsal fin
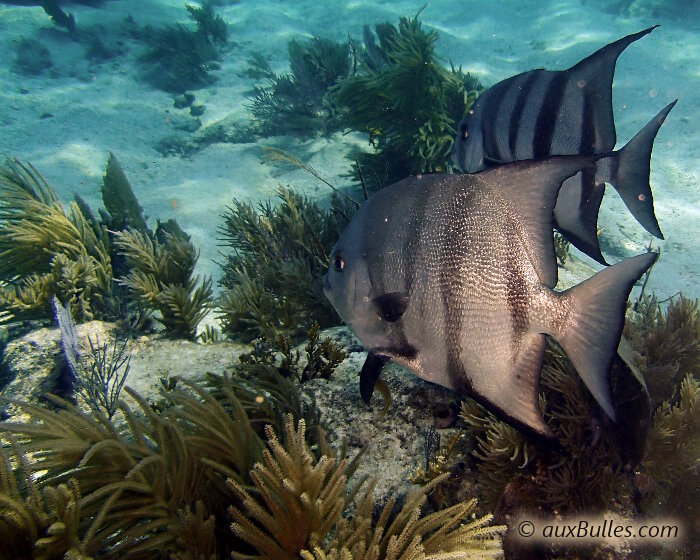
<point>529,189</point>
<point>596,73</point>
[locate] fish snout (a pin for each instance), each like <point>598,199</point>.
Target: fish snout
<point>326,284</point>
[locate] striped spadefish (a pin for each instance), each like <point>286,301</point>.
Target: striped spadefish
<point>538,114</point>
<point>543,113</point>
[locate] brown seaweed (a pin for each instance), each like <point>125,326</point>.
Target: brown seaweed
<point>298,510</point>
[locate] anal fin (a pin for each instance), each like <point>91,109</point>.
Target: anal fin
<point>515,398</point>
<point>576,213</point>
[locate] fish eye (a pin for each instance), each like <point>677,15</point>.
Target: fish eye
<point>338,263</point>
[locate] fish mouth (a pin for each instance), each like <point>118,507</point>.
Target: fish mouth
<point>326,285</point>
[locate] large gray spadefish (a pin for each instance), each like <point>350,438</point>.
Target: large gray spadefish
<point>541,113</point>
<point>452,276</point>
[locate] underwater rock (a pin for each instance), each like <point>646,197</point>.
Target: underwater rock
<point>29,361</point>
<point>197,110</point>
<point>183,101</point>
<point>396,439</point>
<point>185,123</point>
<point>31,58</point>
<point>229,130</point>
<point>32,362</point>
<point>174,145</point>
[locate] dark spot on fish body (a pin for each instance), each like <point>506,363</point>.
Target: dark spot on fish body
<point>392,306</point>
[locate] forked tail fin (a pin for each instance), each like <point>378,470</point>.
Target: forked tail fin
<point>592,334</point>
<point>630,176</point>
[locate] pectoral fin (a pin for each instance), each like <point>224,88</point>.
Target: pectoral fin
<point>391,307</point>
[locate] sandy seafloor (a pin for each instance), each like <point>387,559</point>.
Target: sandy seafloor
<point>66,120</point>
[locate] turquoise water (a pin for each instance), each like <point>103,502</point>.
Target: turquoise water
<point>67,117</point>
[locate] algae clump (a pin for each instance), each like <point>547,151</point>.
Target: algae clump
<point>395,90</point>
<point>302,101</point>
<point>584,475</point>
<point>405,101</point>
<point>273,276</point>
<point>109,268</point>
<point>298,505</point>
<point>46,250</point>
<point>668,342</point>
<point>160,276</point>
<point>181,59</point>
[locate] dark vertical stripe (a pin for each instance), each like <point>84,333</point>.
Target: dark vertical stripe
<point>514,126</point>
<point>549,113</point>
<point>506,114</point>
<point>516,296</point>
<point>587,142</point>
<point>488,120</point>
<point>451,255</point>
<point>415,209</point>
<point>588,188</point>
